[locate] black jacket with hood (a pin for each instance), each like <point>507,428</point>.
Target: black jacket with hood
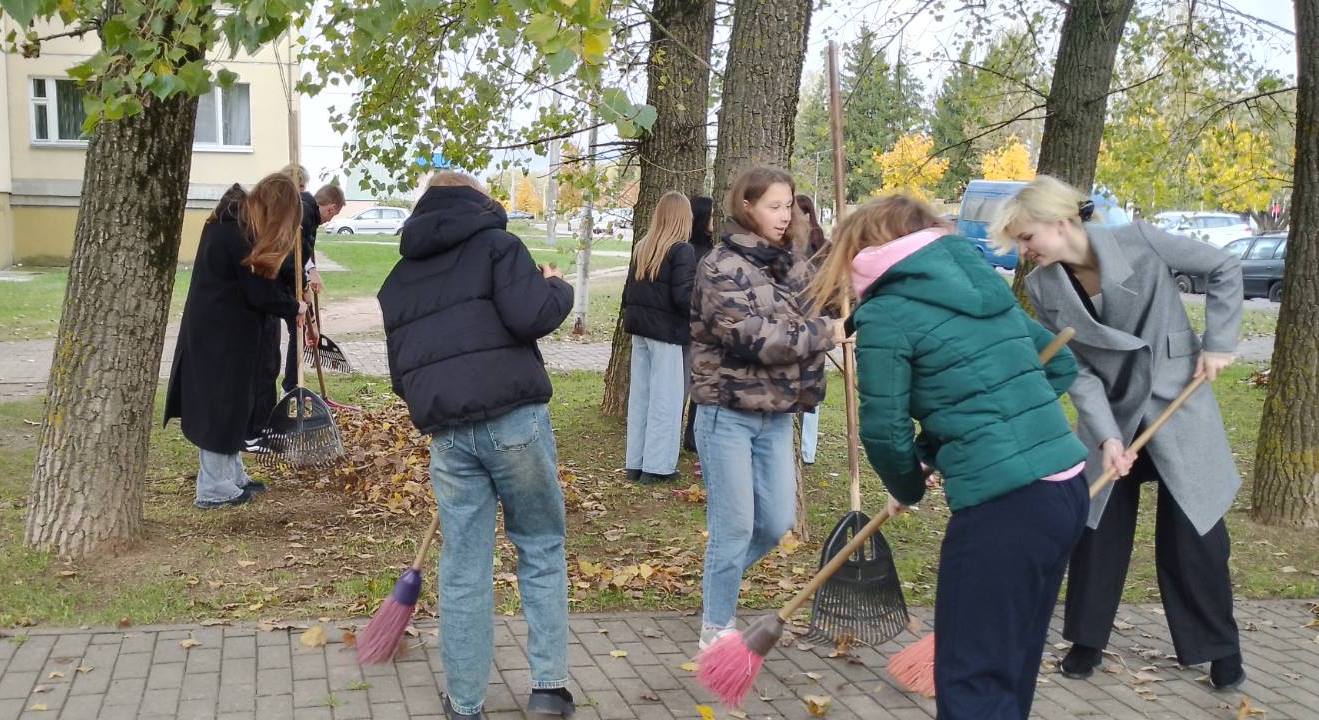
<point>463,310</point>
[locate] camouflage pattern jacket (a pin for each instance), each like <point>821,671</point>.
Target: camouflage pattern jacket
<point>757,345</point>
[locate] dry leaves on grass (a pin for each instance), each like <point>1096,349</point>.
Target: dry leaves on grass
<point>818,705</point>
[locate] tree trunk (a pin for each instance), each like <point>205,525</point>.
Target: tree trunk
<point>673,154</point>
<point>92,460</point>
<point>1078,100</point>
<point>756,119</point>
<point>1286,488</point>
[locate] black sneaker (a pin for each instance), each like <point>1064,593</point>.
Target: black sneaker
<point>1227,673</point>
<point>551,703</point>
<point>452,714</point>
<point>1081,662</point>
<point>255,487</point>
<point>634,476</point>
<point>242,499</point>
<point>653,479</point>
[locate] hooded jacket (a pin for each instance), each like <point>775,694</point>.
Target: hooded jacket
<point>463,310</point>
<point>941,339</point>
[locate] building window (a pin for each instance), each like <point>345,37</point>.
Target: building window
<point>224,118</point>
<point>224,115</point>
<point>57,112</point>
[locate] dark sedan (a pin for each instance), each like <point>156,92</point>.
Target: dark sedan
<point>1263,258</point>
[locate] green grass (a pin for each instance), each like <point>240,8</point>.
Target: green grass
<point>1253,322</point>
<point>30,309</point>
<point>601,312</point>
<point>354,557</point>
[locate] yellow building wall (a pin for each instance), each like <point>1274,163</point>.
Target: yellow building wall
<point>44,235</point>
<point>6,232</point>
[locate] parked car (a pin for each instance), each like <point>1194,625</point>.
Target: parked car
<point>1263,259</point>
<point>378,219</point>
<point>981,201</point>
<point>1216,228</point>
<point>519,215</point>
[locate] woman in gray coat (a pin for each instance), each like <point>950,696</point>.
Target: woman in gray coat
<point>1136,352</point>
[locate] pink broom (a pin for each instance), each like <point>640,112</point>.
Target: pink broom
<point>729,667</point>
<point>377,643</point>
<point>913,668</point>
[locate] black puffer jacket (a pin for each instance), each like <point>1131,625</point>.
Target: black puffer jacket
<point>463,310</point>
<point>660,308</point>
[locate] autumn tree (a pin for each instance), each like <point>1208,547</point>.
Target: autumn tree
<point>1010,161</point>
<point>909,167</point>
<point>528,196</point>
<point>1286,490</point>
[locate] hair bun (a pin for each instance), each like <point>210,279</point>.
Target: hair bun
<point>1086,210</point>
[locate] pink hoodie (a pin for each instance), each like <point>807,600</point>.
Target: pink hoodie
<point>874,261</point>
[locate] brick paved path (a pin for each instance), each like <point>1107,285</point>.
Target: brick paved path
<point>245,672</point>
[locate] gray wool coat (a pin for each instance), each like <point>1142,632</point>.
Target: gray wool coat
<point>1144,353</point>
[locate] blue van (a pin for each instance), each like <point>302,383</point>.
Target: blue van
<point>982,199</point>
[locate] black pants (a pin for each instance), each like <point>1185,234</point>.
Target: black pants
<point>267,372</point>
<point>1000,569</point>
<point>1194,582</point>
<point>291,357</point>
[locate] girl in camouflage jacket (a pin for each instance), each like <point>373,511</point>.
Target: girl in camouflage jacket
<point>758,358</point>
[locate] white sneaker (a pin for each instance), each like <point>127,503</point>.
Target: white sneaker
<point>711,634</point>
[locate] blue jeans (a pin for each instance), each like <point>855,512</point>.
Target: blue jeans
<point>810,435</point>
<point>746,458</point>
<point>220,478</point>
<point>510,460</point>
<point>654,406</point>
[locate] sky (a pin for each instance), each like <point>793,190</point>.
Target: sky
<point>923,38</point>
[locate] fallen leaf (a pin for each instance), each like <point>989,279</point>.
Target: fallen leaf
<point>818,705</point>
<point>618,653</point>
<point>688,666</point>
<point>39,707</point>
<point>55,674</point>
<point>1142,677</point>
<point>737,714</point>
<point>707,712</point>
<point>313,637</point>
<point>1120,625</point>
<point>124,622</point>
<point>350,639</point>
<point>650,697</point>
<point>191,642</point>
<point>41,689</point>
<point>1245,710</point>
<point>85,668</point>
<point>653,633</point>
<point>255,607</point>
<point>246,563</point>
<point>74,573</point>
<point>813,675</point>
<point>1288,569</point>
<point>212,622</point>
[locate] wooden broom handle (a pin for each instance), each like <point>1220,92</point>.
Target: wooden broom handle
<point>1111,474</point>
<point>426,541</point>
<point>853,416</point>
<point>834,564</point>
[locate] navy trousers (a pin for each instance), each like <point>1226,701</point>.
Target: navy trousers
<point>1000,570</point>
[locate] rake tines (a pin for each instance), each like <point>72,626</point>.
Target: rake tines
<point>301,432</point>
<point>862,602</point>
<point>332,357</point>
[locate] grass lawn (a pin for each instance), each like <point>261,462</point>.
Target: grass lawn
<point>306,549</point>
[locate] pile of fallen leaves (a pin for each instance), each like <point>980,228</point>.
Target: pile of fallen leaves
<point>1259,378</point>
<point>386,461</point>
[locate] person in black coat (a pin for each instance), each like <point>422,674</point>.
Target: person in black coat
<point>234,287</point>
<point>463,310</point>
<point>702,241</point>
<point>657,302</point>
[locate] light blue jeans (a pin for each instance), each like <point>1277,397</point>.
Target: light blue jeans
<point>220,478</point>
<point>746,458</point>
<point>810,435</point>
<point>510,460</point>
<point>654,406</point>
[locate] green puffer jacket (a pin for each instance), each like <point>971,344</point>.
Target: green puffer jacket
<point>940,338</point>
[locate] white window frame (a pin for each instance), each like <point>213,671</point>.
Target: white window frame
<point>220,147</point>
<point>52,119</point>
<point>52,114</point>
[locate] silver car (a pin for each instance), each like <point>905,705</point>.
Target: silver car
<point>378,219</point>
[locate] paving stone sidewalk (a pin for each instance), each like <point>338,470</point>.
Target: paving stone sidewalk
<point>241,671</point>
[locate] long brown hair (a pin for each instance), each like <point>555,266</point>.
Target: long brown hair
<point>670,225</point>
<point>877,222</point>
<point>269,216</point>
<point>816,236</point>
<point>750,185</point>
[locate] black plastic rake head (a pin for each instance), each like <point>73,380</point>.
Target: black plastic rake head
<point>332,357</point>
<point>862,602</point>
<point>301,432</point>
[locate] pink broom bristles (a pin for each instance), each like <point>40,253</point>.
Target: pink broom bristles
<point>913,667</point>
<point>728,668</point>
<point>378,642</point>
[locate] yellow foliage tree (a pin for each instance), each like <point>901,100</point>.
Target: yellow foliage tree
<point>908,167</point>
<point>1237,169</point>
<point>1009,161</point>
<point>528,197</point>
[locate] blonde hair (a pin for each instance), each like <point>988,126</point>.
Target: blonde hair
<point>670,225</point>
<point>270,215</point>
<point>298,173</point>
<point>1045,199</point>
<point>749,186</point>
<point>453,178</point>
<point>877,222</point>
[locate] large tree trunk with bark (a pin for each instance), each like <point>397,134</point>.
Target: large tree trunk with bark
<point>87,489</point>
<point>756,119</point>
<point>1286,490</point>
<point>1078,100</point>
<point>673,154</point>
